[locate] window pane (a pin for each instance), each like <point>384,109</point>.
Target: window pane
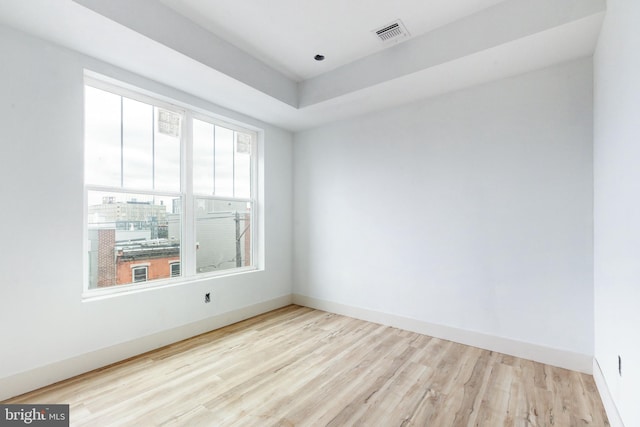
<point>137,144</point>
<point>139,274</point>
<point>167,154</point>
<point>224,162</point>
<point>126,230</point>
<point>175,269</point>
<point>203,144</point>
<point>223,235</point>
<point>242,166</point>
<point>102,137</point>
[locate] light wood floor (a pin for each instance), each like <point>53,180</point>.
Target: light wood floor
<point>296,367</point>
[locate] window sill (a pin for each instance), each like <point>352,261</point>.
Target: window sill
<point>134,288</point>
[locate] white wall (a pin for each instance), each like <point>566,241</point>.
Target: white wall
<point>471,210</point>
<point>42,317</point>
<point>617,205</point>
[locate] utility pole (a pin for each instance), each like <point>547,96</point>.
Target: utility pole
<point>238,237</point>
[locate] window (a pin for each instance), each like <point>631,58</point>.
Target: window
<point>139,274</point>
<point>150,202</point>
<point>222,191</point>
<point>174,268</point>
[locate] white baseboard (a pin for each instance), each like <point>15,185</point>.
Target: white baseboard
<point>550,356</point>
<point>607,400</point>
<point>24,382</point>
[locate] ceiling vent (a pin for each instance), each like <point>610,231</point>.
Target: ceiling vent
<point>394,31</point>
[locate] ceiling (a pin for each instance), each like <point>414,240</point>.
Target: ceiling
<point>256,57</point>
<point>287,34</point>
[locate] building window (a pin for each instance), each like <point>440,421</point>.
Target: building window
<point>174,269</point>
<point>139,274</point>
<point>158,179</point>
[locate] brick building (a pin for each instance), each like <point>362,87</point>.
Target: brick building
<point>106,257</point>
<point>147,260</point>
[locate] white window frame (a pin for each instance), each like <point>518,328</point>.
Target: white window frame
<point>171,265</point>
<point>188,199</point>
<point>139,267</point>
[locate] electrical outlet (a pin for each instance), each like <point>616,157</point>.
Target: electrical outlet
<point>207,297</point>
<point>620,365</point>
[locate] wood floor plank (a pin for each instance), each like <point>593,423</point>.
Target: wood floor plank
<point>296,366</point>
